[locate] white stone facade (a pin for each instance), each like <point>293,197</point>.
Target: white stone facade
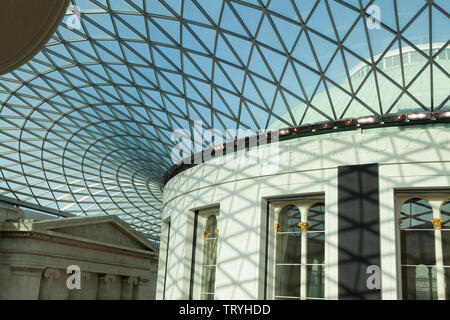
<point>409,158</point>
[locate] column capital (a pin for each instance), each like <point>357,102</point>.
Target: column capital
<point>107,278</point>
<point>130,280</point>
<point>52,273</point>
<point>437,223</point>
<point>304,226</point>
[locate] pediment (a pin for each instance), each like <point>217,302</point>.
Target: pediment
<point>105,229</point>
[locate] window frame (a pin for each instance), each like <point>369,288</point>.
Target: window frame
<point>304,204</point>
<point>436,200</point>
<point>202,217</point>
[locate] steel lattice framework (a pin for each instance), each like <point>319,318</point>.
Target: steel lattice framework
<point>85,126</point>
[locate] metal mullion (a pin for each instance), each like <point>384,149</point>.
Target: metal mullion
<point>319,67</point>
<point>278,83</point>
<point>431,60</point>
<point>445,13</point>
<point>399,37</point>
<point>156,74</point>
<point>407,87</point>
<point>133,80</point>
<point>369,45</point>
<point>125,194</point>
<point>246,71</point>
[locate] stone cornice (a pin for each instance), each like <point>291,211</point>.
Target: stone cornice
<point>47,235</point>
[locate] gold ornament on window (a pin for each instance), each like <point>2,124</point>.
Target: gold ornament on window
<point>304,226</point>
<point>217,232</point>
<point>277,227</point>
<point>205,235</point>
<point>437,223</point>
<point>400,220</point>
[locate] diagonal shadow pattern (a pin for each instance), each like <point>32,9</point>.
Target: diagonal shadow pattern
<point>85,126</point>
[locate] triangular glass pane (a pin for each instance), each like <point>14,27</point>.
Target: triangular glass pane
<point>250,16</point>
<point>288,31</point>
<point>303,53</point>
<point>308,79</point>
<point>276,61</point>
<point>268,36</point>
<point>408,12</point>
<point>230,22</point>
<point>320,21</point>
<point>191,12</point>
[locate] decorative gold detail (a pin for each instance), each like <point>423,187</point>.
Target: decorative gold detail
<point>437,223</point>
<point>304,226</point>
<point>205,235</point>
<point>277,227</point>
<point>217,232</point>
<point>400,220</point>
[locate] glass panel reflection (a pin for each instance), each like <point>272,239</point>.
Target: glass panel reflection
<point>419,283</point>
<point>209,259</point>
<point>316,217</point>
<point>416,214</point>
<point>315,247</point>
<point>417,247</point>
<point>208,279</point>
<point>288,248</point>
<point>289,218</point>
<point>445,215</point>
<point>287,281</point>
<point>446,246</point>
<point>315,281</point>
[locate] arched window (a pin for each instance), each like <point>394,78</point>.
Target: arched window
<point>299,256</point>
<point>209,259</point>
<point>418,259</point>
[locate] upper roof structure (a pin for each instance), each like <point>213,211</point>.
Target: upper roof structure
<point>86,125</point>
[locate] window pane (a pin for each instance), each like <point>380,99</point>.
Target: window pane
<point>288,248</point>
<point>289,218</point>
<point>419,283</point>
<point>209,259</point>
<point>445,215</point>
<point>447,283</point>
<point>209,251</point>
<point>416,214</point>
<point>446,246</point>
<point>211,226</point>
<point>316,217</point>
<point>208,279</point>
<point>315,283</point>
<point>417,247</point>
<point>315,247</point>
<point>287,280</point>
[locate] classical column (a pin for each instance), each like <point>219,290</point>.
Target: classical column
<point>20,282</point>
<point>53,286</point>
<point>437,226</point>
<point>303,225</point>
<point>128,284</point>
<point>109,288</point>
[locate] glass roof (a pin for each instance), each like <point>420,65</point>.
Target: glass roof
<point>86,125</point>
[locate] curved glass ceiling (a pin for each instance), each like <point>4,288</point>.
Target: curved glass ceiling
<point>86,125</point>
